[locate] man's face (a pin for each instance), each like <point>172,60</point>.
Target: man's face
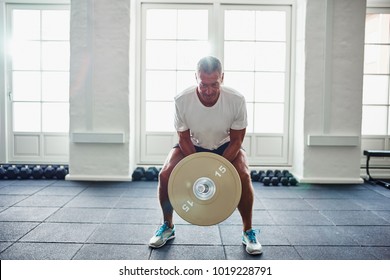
<point>209,87</point>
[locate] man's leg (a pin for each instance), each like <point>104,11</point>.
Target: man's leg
<point>172,160</point>
<point>166,231</point>
<point>245,206</point>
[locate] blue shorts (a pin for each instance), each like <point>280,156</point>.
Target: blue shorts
<point>218,151</point>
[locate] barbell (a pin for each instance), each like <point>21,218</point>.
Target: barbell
<point>204,188</point>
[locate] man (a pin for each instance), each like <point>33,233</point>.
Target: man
<point>209,117</point>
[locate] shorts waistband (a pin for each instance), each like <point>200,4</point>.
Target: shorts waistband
<point>220,150</point>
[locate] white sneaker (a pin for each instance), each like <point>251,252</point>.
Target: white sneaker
<point>162,235</point>
<point>249,239</point>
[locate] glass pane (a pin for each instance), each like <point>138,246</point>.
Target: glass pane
<point>269,118</point>
<point>185,79</point>
<point>376,59</point>
<point>26,86</point>
<point>26,117</point>
<point>239,56</point>
<point>26,55</point>
<point>374,120</point>
<point>269,87</point>
<point>165,113</point>
<point>375,89</point>
<point>160,85</point>
<point>55,25</point>
<point>161,24</point>
<point>270,56</point>
<point>243,82</point>
<point>186,28</point>
<point>55,56</point>
<point>270,26</point>
<point>377,28</point>
<point>189,53</point>
<point>26,25</point>
<point>55,86</point>
<point>55,117</point>
<point>240,25</point>
<point>249,110</point>
<point>160,54</point>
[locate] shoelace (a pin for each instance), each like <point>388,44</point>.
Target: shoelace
<point>160,231</point>
<point>252,235</point>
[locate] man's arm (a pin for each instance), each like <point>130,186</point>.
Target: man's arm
<point>236,139</point>
<point>185,143</point>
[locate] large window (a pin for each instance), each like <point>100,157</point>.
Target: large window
<point>40,70</point>
<point>173,43</point>
<point>254,44</point>
<point>38,53</point>
<point>376,102</point>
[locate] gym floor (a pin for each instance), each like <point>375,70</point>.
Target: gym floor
<point>67,220</point>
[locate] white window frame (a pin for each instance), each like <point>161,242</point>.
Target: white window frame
<point>142,155</point>
<point>7,150</point>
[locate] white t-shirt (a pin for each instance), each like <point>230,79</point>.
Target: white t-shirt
<point>210,126</point>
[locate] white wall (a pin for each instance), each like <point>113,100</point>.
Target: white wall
<point>299,97</point>
<point>99,90</point>
<point>333,78</point>
<point>329,75</point>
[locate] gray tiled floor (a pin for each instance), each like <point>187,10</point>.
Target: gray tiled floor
<point>106,220</point>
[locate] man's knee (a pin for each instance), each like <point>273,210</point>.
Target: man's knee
<point>173,159</point>
<point>163,177</point>
<point>241,165</point>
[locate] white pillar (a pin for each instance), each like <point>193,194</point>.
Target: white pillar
<point>99,90</point>
<point>330,51</point>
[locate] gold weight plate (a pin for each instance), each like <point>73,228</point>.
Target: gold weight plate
<point>204,188</point>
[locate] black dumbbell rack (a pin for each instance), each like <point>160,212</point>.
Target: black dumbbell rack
<point>33,172</point>
<point>274,177</point>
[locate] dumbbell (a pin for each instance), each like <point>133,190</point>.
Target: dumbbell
<point>285,176</point>
<point>12,172</point>
<point>278,174</point>
<point>138,174</point>
<point>49,172</point>
<point>266,181</point>
<point>37,172</point>
<point>60,172</point>
<point>25,172</point>
<point>151,174</point>
<point>261,174</point>
<point>284,181</point>
<point>293,181</point>
<point>255,176</point>
<point>275,181</point>
<point>269,173</point>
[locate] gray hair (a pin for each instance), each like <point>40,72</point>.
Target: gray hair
<point>209,64</point>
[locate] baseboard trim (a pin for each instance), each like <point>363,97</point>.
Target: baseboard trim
<point>71,177</point>
<point>319,180</point>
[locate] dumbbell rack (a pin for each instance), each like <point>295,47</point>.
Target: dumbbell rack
<point>267,177</point>
<point>33,172</point>
<point>274,177</point>
<point>149,174</point>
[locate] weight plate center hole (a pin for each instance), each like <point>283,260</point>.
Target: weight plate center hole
<point>204,188</point>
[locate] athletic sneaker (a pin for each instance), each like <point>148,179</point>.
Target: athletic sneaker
<point>162,235</point>
<point>249,239</point>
